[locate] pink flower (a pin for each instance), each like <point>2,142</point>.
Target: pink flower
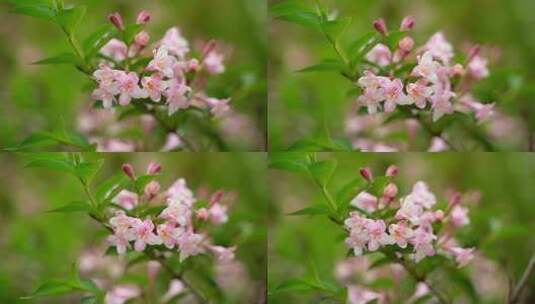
<point>407,23</point>
<point>121,222</point>
<point>177,95</point>
<point>463,256</point>
<point>422,241</point>
<point>129,88</point>
<point>177,212</point>
<point>144,235</point>
<point>143,17</point>
<point>419,92</point>
<point>162,62</point>
<point>175,43</point>
<point>190,244</point>
<point>437,145</point>
<point>120,241</point>
<point>421,195</point>
<point>142,39</point>
<point>401,234</point>
<point>151,189</point>
<point>218,213</point>
<point>218,107</point>
<point>459,216</point>
<point>169,234</point>
<point>477,68</point>
<point>380,26</point>
<point>357,241</point>
<point>153,168</point>
<point>427,68</point>
<point>126,199</point>
<point>223,254</point>
<point>371,100</point>
<point>180,193</point>
<point>393,93</point>
<point>120,294</point>
<point>440,102</point>
<point>409,211</point>
<point>176,287</point>
<point>172,142</point>
<point>365,201</point>
<point>378,237</point>
<point>155,86</point>
<point>361,295</point>
<point>482,111</point>
<point>105,95</point>
<point>117,20</point>
<point>115,49</point>
<point>213,63</point>
<point>380,55</point>
<point>440,48</point>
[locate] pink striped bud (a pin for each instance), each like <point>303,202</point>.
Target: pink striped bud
<point>439,215</point>
<point>153,168</point>
<point>151,189</point>
<point>142,39</point>
<point>406,44</point>
<point>407,23</point>
<point>216,197</point>
<point>143,17</point>
<point>366,173</point>
<point>455,199</point>
<point>209,47</point>
<point>473,52</point>
<point>129,170</point>
<point>390,191</point>
<point>391,171</point>
<point>380,26</point>
<point>116,20</point>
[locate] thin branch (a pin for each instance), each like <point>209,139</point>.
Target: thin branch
<point>521,285</point>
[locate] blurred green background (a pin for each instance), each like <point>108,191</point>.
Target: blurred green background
<point>301,103</point>
<point>36,246</point>
<point>36,98</point>
<point>501,226</point>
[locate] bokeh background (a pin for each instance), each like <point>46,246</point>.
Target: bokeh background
<point>501,224</point>
<point>302,104</point>
<point>48,98</point>
<point>36,246</point>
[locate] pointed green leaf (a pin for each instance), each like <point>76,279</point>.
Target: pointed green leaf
<point>302,18</point>
<point>130,31</point>
<point>105,188</point>
<point>294,284</point>
<point>60,165</point>
<point>86,171</point>
<point>73,207</point>
<point>349,191</point>
<point>37,11</point>
<point>94,42</point>
<point>295,162</point>
<point>53,287</point>
<point>322,171</point>
<point>326,65</point>
<point>70,18</point>
<point>313,210</point>
<point>393,38</point>
<point>63,58</point>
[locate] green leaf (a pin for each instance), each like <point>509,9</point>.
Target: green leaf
<point>88,300</point>
<point>37,11</point>
<point>53,287</point>
<point>106,187</point>
<point>288,7</point>
<point>70,18</point>
<point>322,171</point>
<point>86,171</point>
<point>294,162</point>
<point>142,181</point>
<point>130,32</point>
<point>56,164</point>
<point>152,211</point>
<point>85,284</point>
<point>294,284</point>
<point>393,38</point>
<point>313,210</point>
<point>361,46</point>
<point>380,262</point>
<point>349,190</point>
<point>424,299</point>
<point>73,207</point>
<point>381,283</point>
<point>325,65</point>
<point>94,42</point>
<point>377,186</point>
<point>335,28</point>
<point>63,58</point>
<point>306,145</point>
<point>306,19</point>
<point>46,3</point>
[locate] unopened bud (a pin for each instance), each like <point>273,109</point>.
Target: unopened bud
<point>151,189</point>
<point>439,215</point>
<point>153,168</point>
<point>203,214</point>
<point>407,23</point>
<point>455,199</point>
<point>116,20</point>
<point>142,38</point>
<point>380,26</point>
<point>208,48</point>
<point>391,171</point>
<point>193,65</point>
<point>457,70</point>
<point>390,191</point>
<point>128,170</point>
<point>216,197</point>
<point>473,52</point>
<point>366,173</point>
<point>143,17</point>
<point>406,44</point>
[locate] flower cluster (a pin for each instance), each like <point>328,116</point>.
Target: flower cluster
<point>408,223</point>
<point>435,82</point>
<point>174,227</point>
<point>170,78</point>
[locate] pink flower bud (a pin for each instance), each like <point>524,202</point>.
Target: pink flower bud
<point>153,168</point>
<point>439,215</point>
<point>406,44</point>
<point>390,191</point>
<point>208,48</point>
<point>128,170</point>
<point>455,199</point>
<point>473,52</point>
<point>216,197</point>
<point>203,214</point>
<point>151,189</point>
<point>193,65</point>
<point>391,171</point>
<point>380,26</point>
<point>407,23</point>
<point>143,17</point>
<point>116,20</point>
<point>142,38</point>
<point>366,173</point>
<point>457,70</point>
